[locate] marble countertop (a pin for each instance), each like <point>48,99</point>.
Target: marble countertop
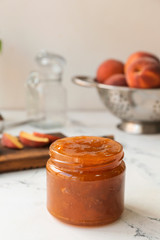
<point>23,213</point>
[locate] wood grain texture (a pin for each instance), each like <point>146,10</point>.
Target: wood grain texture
<point>27,158</point>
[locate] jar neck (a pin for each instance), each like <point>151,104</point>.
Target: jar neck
<point>71,166</point>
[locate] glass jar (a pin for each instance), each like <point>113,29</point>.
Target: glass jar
<point>46,97</point>
<point>85,180</point>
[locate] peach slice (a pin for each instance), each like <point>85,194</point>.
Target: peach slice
<point>11,141</point>
<point>43,135</point>
<point>30,140</point>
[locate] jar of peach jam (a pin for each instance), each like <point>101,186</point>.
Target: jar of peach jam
<point>85,180</point>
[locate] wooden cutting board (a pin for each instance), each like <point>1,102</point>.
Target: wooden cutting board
<point>27,158</point>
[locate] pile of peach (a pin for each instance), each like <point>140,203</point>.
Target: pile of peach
<point>141,70</point>
<point>34,139</point>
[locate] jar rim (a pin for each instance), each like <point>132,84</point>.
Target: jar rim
<point>106,153</point>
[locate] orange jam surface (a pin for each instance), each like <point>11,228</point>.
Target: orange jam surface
<point>85,180</point>
<point>88,150</point>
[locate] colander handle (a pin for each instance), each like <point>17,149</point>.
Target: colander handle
<point>84,81</point>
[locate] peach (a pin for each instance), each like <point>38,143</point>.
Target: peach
<point>30,140</point>
<point>43,135</point>
<point>109,68</point>
<point>138,55</point>
<point>144,73</point>
<point>11,141</point>
<point>116,80</point>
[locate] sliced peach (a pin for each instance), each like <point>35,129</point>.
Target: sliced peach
<point>49,136</point>
<point>30,140</point>
<point>11,141</point>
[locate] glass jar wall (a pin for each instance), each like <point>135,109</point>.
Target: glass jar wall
<point>46,96</point>
<point>85,180</point>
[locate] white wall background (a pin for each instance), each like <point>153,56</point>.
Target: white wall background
<point>85,32</point>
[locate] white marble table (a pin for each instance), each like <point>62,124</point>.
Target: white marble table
<point>23,214</point>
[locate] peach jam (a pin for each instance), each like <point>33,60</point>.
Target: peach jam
<point>85,180</point>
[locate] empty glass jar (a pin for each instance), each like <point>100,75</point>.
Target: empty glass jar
<point>46,96</point>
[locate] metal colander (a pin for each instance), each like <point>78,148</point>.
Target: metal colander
<point>139,109</point>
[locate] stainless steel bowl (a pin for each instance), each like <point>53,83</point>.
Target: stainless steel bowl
<point>139,109</point>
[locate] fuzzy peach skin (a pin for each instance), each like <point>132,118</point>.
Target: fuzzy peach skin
<point>30,140</point>
<point>109,68</point>
<point>43,135</point>
<point>137,55</point>
<point>144,73</point>
<point>10,141</point>
<point>116,80</point>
